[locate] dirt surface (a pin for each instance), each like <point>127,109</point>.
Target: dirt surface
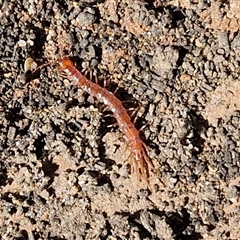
<point>64,168</point>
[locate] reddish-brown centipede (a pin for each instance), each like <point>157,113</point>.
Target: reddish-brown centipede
<point>139,160</point>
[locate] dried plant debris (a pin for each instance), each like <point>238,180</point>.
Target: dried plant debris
<point>223,101</point>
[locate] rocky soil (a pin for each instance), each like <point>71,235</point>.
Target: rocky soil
<point>64,163</point>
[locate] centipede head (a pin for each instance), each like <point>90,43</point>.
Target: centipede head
<point>65,63</point>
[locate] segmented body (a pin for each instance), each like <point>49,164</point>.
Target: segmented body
<point>139,160</point>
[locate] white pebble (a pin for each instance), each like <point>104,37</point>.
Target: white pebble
<point>22,43</point>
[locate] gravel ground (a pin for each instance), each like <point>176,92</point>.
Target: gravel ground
<point>64,167</point>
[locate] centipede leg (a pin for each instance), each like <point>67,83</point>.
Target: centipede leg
<point>146,158</point>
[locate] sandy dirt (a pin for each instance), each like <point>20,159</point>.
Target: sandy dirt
<point>64,163</point>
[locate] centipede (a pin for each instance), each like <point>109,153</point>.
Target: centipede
<point>140,163</point>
